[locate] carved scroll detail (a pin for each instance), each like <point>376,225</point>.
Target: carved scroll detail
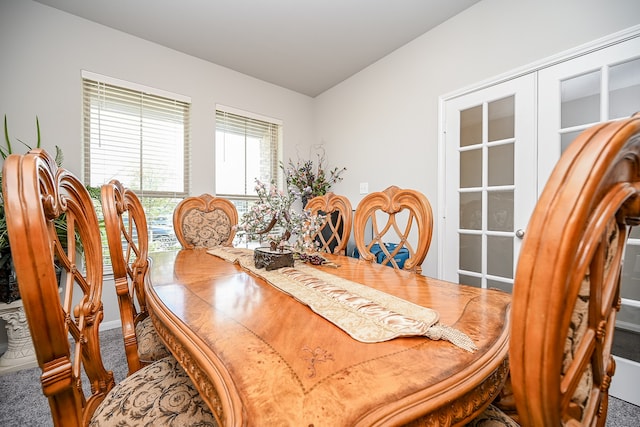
<point>469,404</point>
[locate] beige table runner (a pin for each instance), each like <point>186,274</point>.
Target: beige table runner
<point>366,314</point>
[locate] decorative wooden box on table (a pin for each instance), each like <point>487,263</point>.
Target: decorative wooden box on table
<point>271,259</point>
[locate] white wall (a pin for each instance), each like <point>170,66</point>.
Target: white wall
<point>42,53</point>
<point>382,123</point>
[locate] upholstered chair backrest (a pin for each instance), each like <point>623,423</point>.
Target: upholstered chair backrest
<point>205,221</point>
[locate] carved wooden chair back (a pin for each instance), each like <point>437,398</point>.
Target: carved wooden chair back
<point>566,292</point>
<point>64,322</point>
<point>127,234</point>
<point>334,234</point>
<point>389,205</point>
<point>37,193</point>
<point>205,221</point>
<point>567,285</point>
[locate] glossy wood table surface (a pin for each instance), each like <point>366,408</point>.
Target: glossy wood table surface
<point>261,358</point>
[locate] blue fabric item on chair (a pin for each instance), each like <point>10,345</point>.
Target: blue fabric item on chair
<point>400,257</point>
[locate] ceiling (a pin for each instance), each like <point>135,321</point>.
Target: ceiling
<point>307,46</point>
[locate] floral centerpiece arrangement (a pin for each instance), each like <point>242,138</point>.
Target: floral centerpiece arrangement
<point>273,218</point>
<point>306,181</point>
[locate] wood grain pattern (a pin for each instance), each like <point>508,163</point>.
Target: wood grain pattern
<point>260,357</point>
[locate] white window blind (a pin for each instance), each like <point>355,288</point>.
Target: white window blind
<point>140,138</point>
<point>246,150</point>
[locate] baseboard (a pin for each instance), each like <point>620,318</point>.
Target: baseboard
<point>624,384</point>
<point>113,324</point>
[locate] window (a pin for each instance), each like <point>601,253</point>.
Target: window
<point>247,149</point>
<point>139,136</point>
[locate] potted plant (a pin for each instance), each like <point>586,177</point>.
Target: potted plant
<point>8,287</point>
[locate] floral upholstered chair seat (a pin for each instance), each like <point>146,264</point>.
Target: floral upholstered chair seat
<point>158,394</point>
<point>150,346</point>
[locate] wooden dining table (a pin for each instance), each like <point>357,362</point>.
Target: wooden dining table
<point>260,357</point>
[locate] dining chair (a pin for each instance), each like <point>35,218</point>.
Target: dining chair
<point>205,221</point>
<point>566,290</point>
<point>334,233</point>
<point>127,234</point>
<point>397,217</point>
<point>64,321</point>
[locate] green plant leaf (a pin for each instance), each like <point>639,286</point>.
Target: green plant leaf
<point>59,155</point>
<point>7,140</point>
<point>38,131</point>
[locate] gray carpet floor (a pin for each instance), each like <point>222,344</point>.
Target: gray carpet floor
<point>22,403</point>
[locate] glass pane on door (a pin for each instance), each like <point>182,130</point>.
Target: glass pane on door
<point>501,120</point>
<point>580,100</point>
<point>471,168</point>
<point>581,104</point>
<point>501,164</point>
<point>500,256</point>
<point>471,126</point>
<point>471,210</point>
<point>500,210</point>
<point>471,252</point>
<point>624,89</point>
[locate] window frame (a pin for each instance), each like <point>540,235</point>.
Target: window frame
<point>166,108</point>
<point>143,91</point>
<point>276,158</point>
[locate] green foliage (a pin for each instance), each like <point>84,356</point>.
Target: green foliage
<point>307,181</point>
<point>4,152</point>
<point>60,224</point>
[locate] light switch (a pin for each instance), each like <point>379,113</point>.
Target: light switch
<point>364,187</point>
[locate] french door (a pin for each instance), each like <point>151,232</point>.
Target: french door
<point>601,86</point>
<point>500,146</point>
<point>488,199</point>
